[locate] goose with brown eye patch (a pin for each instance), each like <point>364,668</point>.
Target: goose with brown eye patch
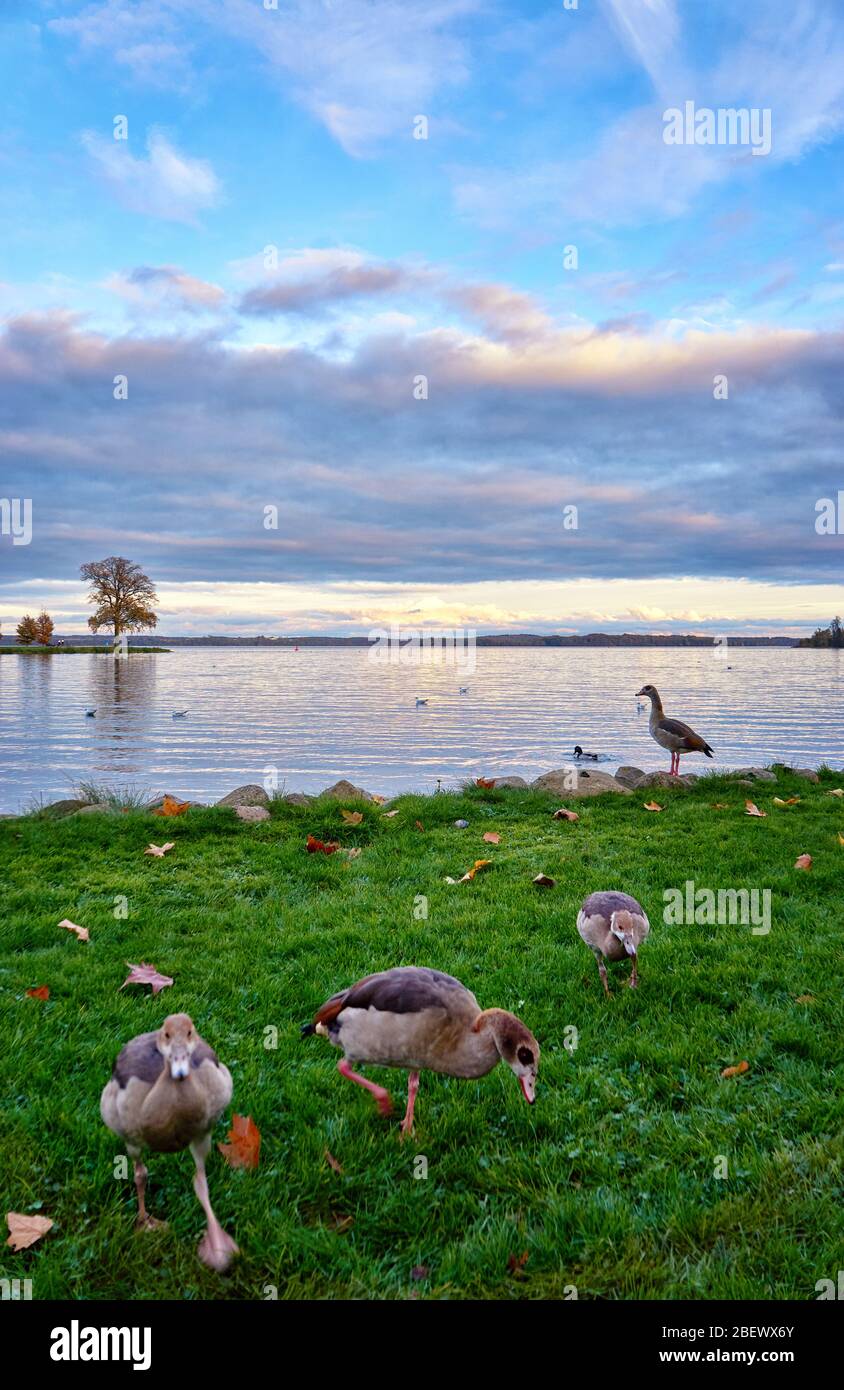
<point>613,925</point>
<point>672,734</point>
<point>166,1093</point>
<point>422,1020</point>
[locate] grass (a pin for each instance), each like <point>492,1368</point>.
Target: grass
<point>607,1184</point>
<point>35,649</point>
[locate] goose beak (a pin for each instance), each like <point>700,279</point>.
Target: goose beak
<point>639,692</point>
<point>528,1089</point>
<point>179,1067</point>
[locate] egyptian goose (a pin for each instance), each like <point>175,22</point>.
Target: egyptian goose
<point>420,1019</point>
<point>613,925</point>
<point>167,1091</point>
<point>672,734</point>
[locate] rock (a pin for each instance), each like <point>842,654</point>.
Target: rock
<point>516,782</point>
<point>689,779</point>
<point>64,808</point>
<point>757,774</point>
<point>250,795</point>
<point>630,776</point>
<point>346,791</point>
<point>99,808</point>
<point>743,782</point>
<point>462,824</point>
<point>807,773</point>
<point>252,812</point>
<point>659,779</point>
<point>297,799</point>
<point>560,783</point>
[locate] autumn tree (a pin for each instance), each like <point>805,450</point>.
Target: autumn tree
<point>27,630</point>
<point>44,629</point>
<point>123,595</point>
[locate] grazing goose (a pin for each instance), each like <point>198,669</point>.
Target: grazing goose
<point>672,734</point>
<point>585,757</point>
<point>613,925</point>
<point>420,1019</point>
<point>167,1091</point>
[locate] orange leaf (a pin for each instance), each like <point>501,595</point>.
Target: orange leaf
<point>25,1230</point>
<point>563,814</point>
<point>485,783</point>
<point>805,999</point>
<point>516,1263</point>
<point>82,933</point>
<point>792,801</point>
<point>736,1071</point>
<point>352,817</point>
<point>332,1161</point>
<point>146,975</point>
<point>543,881</point>
<point>172,806</point>
<point>42,992</point>
<point>476,867</point>
<point>315,846</point>
<point>379,800</point>
<point>803,861</point>
<point>492,837</point>
<point>419,825</point>
<point>840,838</point>
<point>245,1147</point>
<point>753,810</point>
<point>653,806</point>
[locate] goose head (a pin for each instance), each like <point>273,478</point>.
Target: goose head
<point>177,1039</point>
<point>516,1046</point>
<point>629,930</point>
<point>649,690</point>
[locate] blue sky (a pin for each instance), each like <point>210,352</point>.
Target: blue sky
<point>272,260</point>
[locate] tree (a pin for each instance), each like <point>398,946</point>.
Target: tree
<point>27,630</point>
<point>123,595</point>
<point>44,629</point>
<point>836,633</point>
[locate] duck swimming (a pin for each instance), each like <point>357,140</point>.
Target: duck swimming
<point>585,757</point>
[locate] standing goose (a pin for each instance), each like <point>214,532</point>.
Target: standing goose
<point>422,1020</point>
<point>613,925</point>
<point>672,734</point>
<point>167,1091</point>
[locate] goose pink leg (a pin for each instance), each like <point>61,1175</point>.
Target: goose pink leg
<point>412,1088</point>
<point>216,1249</point>
<point>382,1097</point>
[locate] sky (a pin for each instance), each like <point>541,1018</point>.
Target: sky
<point>336,314</point>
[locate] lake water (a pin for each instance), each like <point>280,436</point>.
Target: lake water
<point>323,713</point>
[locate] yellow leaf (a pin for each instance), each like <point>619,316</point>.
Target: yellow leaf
<point>653,806</point>
<point>352,817</point>
<point>25,1230</point>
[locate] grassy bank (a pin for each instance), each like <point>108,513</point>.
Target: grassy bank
<point>36,650</point>
<point>607,1183</point>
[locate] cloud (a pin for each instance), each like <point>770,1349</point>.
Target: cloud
<point>143,36</point>
<point>167,288</point>
<point>165,184</point>
<point>311,280</point>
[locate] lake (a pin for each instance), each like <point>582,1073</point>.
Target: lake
<point>322,713</point>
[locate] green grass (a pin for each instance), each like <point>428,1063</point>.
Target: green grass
<point>607,1182</point>
<point>35,649</point>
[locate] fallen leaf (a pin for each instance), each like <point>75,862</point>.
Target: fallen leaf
<point>419,825</point>
<point>159,851</point>
<point>720,806</point>
<point>543,881</point>
<point>840,838</point>
<point>245,1147</point>
<point>736,1071</point>
<point>792,801</point>
<point>388,815</point>
<point>81,932</point>
<point>352,817</point>
<point>803,861</point>
<point>41,992</point>
<point>25,1230</point>
<point>315,846</point>
<point>379,800</point>
<point>172,806</point>
<point>332,1161</point>
<point>485,783</point>
<point>753,810</point>
<point>351,853</point>
<point>419,1272</point>
<point>516,1263</point>
<point>476,868</point>
<point>146,975</point>
<point>805,999</point>
<point>836,791</point>
<point>563,814</point>
<point>653,806</point>
<point>340,1223</point>
<point>492,837</point>
<point>450,880</point>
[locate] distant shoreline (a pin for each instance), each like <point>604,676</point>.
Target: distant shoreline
<point>84,649</point>
<point>76,644</point>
